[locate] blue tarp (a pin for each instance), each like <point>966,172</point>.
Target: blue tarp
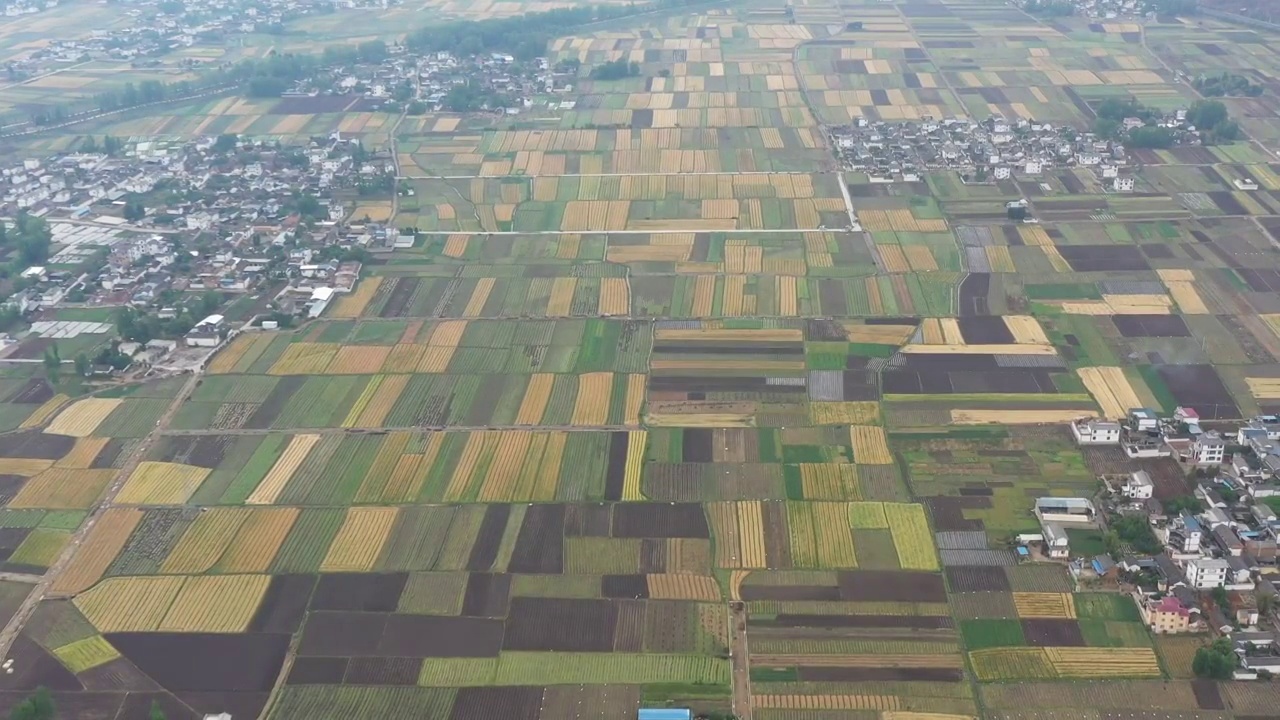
<point>665,714</point>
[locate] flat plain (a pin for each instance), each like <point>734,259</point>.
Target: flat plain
<point>639,369</point>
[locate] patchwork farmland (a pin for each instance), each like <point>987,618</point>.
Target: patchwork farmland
<point>663,409</point>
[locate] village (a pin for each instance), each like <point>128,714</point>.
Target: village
<point>993,149</point>
<point>1204,561</point>
<point>160,227</point>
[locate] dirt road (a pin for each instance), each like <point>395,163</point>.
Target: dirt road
<point>739,656</point>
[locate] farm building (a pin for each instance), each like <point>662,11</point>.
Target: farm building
<point>1065,510</point>
<point>664,714</point>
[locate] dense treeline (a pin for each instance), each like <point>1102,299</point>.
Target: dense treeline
<point>1226,85</point>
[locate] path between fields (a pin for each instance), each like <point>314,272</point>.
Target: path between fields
<point>10,632</point>
<point>739,660</point>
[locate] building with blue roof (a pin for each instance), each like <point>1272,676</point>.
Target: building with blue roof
<point>665,714</point>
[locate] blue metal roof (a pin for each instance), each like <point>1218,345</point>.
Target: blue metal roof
<point>665,714</point>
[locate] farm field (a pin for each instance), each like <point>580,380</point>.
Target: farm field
<point>656,374</point>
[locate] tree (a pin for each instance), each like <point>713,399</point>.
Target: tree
<point>37,707</point>
<point>1266,603</point>
<point>1188,503</point>
<point>226,143</point>
<point>1207,114</point>
<point>83,366</point>
<point>156,712</point>
<point>1219,595</point>
<point>1217,661</point>
<point>134,210</point>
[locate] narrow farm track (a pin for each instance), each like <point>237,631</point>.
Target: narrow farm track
<point>10,632</point>
<point>739,660</point>
<point>409,428</point>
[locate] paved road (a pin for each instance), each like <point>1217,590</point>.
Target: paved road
<point>739,659</point>
<point>28,606</point>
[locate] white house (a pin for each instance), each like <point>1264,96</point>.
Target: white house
<point>1144,419</point>
<point>1138,486</point>
<point>1123,184</point>
<point>1096,432</point>
<point>1002,173</point>
<point>1205,573</point>
<point>1056,542</point>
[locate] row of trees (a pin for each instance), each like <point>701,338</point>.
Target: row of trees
<point>1210,117</point>
<point>615,70</point>
<point>1226,85</point>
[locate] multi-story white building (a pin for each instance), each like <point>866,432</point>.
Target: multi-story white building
<point>1206,573</point>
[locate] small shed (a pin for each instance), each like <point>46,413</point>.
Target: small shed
<point>665,714</point>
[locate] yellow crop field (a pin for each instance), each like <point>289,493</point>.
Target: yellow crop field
<point>456,246</point>
<point>25,467</point>
<point>278,476</point>
<point>1084,662</point>
<point>1026,330</point>
<point>750,524</point>
<point>1187,298</point>
<point>1044,605</point>
<point>1111,389</point>
<point>80,457</point>
<point>44,412</point>
<point>683,587</point>
<point>870,446</point>
<point>833,541</point>
<point>258,540</point>
<point>723,518</point>
<point>129,604</point>
<point>1014,417</point>
<point>304,358</point>
<point>82,417</point>
<point>104,541</point>
<point>479,296</point>
<point>352,304</point>
<point>1008,663</point>
<point>785,290</point>
<point>1264,388</point>
<point>704,292</point>
<point>230,354</point>
<point>884,334</point>
<point>636,384</point>
<point>844,413</point>
<point>357,359</point>
<point>205,541</point>
<point>536,395</point>
<point>999,259</point>
<point>826,702</point>
<point>63,489</point>
<point>215,604</point>
<point>561,301</point>
<point>384,398</point>
<point>161,483</point>
<point>595,215</point>
<point>893,259</point>
<point>591,406</point>
<point>659,418</point>
<point>636,443</point>
<point>359,542</point>
<point>615,297</point>
<point>479,445</point>
<point>829,481</point>
<point>504,469</point>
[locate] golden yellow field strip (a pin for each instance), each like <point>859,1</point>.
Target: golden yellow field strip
<point>719,364</point>
<point>1143,304</point>
<point>704,293</point>
<point>46,410</point>
<point>82,417</point>
<point>25,467</point>
<point>129,604</point>
<point>1264,388</point>
<point>352,304</point>
<point>1187,298</point>
<point>304,358</point>
<point>981,349</point>
<point>536,395</point>
<point>750,526</point>
<point>1014,417</point>
<point>637,441</point>
<point>100,548</point>
<point>1111,389</point>
<point>883,334</point>
<point>591,406</point>
<point>683,587</point>
<point>844,413</point>
<point>951,334</point>
<point>700,420</point>
<point>359,542</point>
<point>81,456</point>
<point>273,484</point>
<point>380,405</point>
<point>788,302</point>
<point>357,359</point>
<point>999,259</point>
<point>1026,330</point>
<point>1101,662</point>
<point>205,541</point>
<point>1044,605</point>
<point>728,335</point>
<point>63,489</point>
<point>258,540</point>
<point>215,604</point>
<point>161,483</point>
<point>870,446</point>
<point>615,296</point>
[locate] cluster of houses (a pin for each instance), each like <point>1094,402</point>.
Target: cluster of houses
<point>1220,546</point>
<point>980,151</point>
